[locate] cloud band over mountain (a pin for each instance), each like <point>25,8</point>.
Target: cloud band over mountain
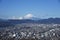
<point>27,16</point>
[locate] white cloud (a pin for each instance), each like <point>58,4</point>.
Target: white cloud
<point>20,18</point>
<point>28,16</point>
<point>16,17</point>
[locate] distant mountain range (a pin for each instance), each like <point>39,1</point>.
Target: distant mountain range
<point>12,22</point>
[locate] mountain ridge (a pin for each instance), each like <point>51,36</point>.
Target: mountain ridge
<point>12,22</point>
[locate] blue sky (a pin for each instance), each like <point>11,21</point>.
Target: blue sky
<point>38,8</point>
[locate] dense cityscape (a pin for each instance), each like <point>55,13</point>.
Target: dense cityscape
<point>29,31</point>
